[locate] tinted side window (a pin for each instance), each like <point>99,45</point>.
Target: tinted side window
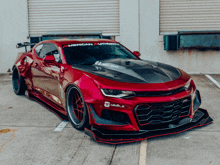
<point>45,50</point>
<point>38,49</point>
<point>50,49</point>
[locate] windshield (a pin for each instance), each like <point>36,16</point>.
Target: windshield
<point>89,53</point>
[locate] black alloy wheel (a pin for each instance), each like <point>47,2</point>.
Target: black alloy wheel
<point>18,83</point>
<point>76,108</point>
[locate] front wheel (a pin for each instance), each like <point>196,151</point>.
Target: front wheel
<point>76,108</point>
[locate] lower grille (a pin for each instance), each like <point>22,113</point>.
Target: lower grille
<point>159,113</point>
<point>115,116</point>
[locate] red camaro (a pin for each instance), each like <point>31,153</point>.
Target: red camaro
<point>108,90</point>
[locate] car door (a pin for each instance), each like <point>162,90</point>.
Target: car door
<point>46,75</point>
<point>36,69</point>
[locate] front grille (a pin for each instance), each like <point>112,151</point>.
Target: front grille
<point>160,93</point>
<point>159,113</point>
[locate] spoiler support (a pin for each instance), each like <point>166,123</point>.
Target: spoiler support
<point>25,44</point>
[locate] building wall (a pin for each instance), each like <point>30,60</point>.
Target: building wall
<point>129,24</point>
<point>151,45</point>
<point>13,29</point>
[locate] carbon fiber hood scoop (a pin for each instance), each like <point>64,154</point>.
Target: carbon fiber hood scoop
<point>132,71</point>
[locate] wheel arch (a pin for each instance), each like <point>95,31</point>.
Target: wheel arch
<point>89,91</point>
<point>87,87</point>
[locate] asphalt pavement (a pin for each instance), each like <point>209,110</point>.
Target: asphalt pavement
<point>27,136</point>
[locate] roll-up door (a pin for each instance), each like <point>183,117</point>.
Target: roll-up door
<point>73,15</point>
<point>189,15</point>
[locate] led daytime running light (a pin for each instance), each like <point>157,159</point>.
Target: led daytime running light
<point>117,93</point>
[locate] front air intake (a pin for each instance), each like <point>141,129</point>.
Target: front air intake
<point>115,116</point>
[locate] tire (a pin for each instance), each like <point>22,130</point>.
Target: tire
<point>76,108</point>
<point>18,83</point>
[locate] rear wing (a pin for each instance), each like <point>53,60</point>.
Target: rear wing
<point>25,44</point>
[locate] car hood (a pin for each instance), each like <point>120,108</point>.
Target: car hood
<point>132,71</point>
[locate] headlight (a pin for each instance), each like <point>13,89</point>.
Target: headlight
<point>187,86</point>
<point>117,93</point>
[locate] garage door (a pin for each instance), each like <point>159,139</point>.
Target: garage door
<point>188,15</point>
<point>73,15</point>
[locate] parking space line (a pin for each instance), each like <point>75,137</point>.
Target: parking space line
<point>213,80</point>
<point>61,126</point>
<point>143,153</point>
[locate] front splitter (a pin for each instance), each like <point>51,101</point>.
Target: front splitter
<point>201,118</point>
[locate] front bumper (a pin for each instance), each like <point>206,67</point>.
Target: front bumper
<point>201,118</point>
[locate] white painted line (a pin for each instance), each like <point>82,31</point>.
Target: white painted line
<point>213,80</point>
<point>143,153</point>
<point>61,126</point>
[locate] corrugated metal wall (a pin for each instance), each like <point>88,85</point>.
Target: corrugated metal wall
<point>73,15</point>
<point>177,15</point>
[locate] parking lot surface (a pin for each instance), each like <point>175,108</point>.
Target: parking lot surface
<point>27,136</point>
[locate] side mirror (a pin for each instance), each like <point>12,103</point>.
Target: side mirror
<point>49,58</point>
<point>137,53</point>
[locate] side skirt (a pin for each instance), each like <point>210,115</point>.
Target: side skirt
<point>56,109</point>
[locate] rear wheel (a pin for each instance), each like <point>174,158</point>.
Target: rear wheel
<point>18,83</point>
<point>76,108</point>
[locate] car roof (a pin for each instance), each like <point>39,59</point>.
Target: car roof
<point>76,41</point>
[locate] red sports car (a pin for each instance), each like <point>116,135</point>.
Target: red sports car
<point>108,90</point>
